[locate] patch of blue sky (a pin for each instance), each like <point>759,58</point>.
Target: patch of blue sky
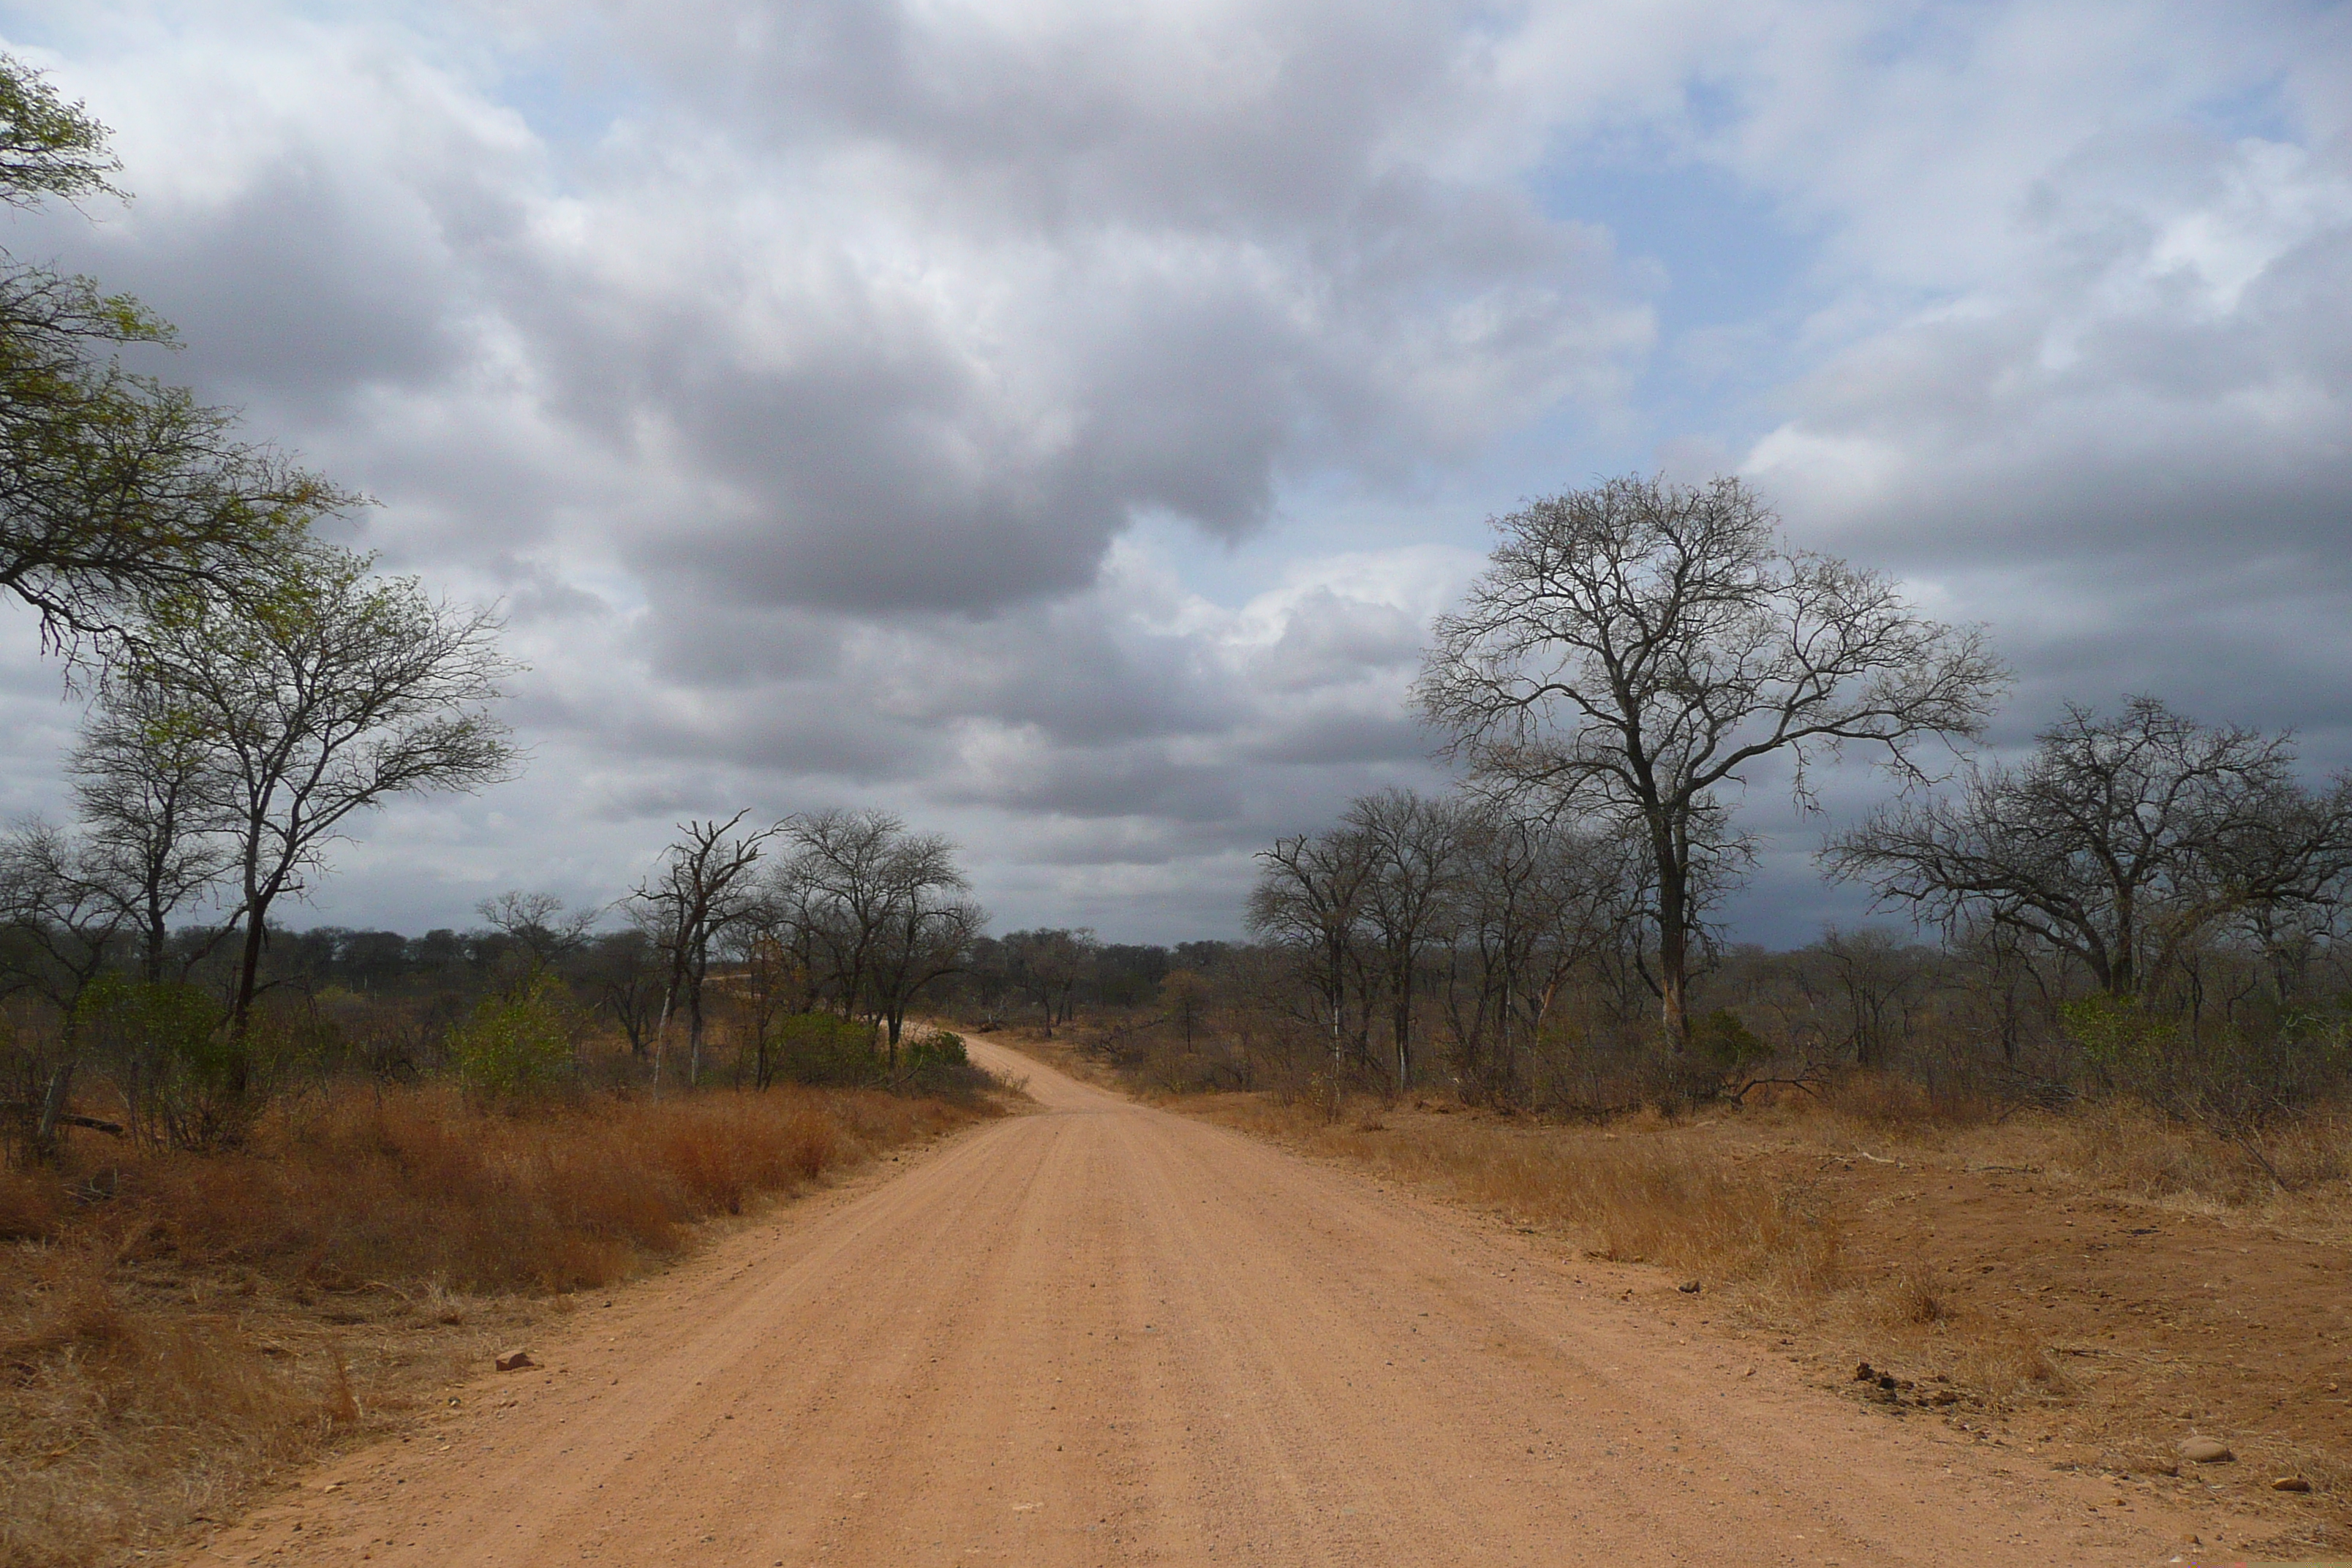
<point>571,95</point>
<point>1730,281</point>
<point>2258,111</point>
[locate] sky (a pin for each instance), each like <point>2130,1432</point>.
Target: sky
<point>1059,423</point>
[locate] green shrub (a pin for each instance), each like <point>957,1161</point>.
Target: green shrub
<point>173,1058</point>
<point>517,1044</point>
<point>933,1062</point>
<point>1722,1038</point>
<point>828,1051</point>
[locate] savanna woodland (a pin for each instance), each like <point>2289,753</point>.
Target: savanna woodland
<point>267,1187</point>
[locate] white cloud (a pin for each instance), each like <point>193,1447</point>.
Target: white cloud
<point>801,375</point>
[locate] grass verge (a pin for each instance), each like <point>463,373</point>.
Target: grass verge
<point>174,1329</point>
<point>2088,1288</point>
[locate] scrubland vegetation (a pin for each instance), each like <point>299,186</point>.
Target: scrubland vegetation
<point>264,1188</point>
<point>2119,986</point>
<point>195,1294</point>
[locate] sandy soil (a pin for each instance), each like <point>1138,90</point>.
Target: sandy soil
<point>1105,1334</point>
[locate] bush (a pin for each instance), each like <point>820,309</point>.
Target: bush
<point>169,1049</point>
<point>1721,1038</point>
<point>827,1051</point>
<point>517,1044</point>
<point>933,1062</point>
<point>2221,1075</point>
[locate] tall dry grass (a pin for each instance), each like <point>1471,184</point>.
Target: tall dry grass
<point>173,1327</point>
<point>2295,1169</point>
<point>1627,1194</point>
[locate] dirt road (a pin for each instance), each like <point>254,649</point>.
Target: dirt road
<point>1105,1334</point>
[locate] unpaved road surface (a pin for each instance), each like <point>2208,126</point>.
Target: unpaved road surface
<point>1104,1334</point>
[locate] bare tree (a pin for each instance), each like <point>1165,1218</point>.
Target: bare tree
<point>928,931</point>
<point>1635,647</point>
<point>538,926</point>
<point>64,917</point>
<point>1534,902</point>
<point>2120,843</point>
<point>837,885</point>
<point>628,972</point>
<point>879,911</point>
<point>1881,977</point>
<point>145,777</point>
<point>1309,899</point>
<point>1047,965</point>
<point>335,692</point>
<point>1413,845</point>
<point>703,887</point>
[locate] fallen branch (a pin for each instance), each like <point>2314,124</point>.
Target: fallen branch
<point>69,1118</point>
<point>1804,1080</point>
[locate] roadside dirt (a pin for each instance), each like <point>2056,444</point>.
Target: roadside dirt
<point>2161,1320</point>
<point>1106,1333</point>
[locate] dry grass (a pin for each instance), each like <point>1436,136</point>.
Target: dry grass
<point>1627,1194</point>
<point>174,1328</point>
<point>2041,1278</point>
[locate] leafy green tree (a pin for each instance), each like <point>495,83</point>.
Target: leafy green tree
<point>113,486</point>
<point>319,699</point>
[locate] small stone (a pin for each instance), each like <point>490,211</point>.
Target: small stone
<point>1688,1286</point>
<point>2206,1451</point>
<point>2290,1484</point>
<point>1866,1372</point>
<point>518,1362</point>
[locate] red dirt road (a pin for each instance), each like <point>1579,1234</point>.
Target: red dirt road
<point>1104,1334</point>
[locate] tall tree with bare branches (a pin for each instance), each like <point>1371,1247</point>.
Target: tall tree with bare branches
<point>1634,648</point>
<point>147,780</point>
<point>2120,843</point>
<point>880,912</point>
<point>704,886</point>
<point>1413,845</point>
<point>1309,901</point>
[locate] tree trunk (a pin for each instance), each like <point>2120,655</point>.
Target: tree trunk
<point>1673,948</point>
<point>249,985</point>
<point>1402,1022</point>
<point>53,1106</point>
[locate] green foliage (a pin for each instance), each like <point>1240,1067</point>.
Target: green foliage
<point>2117,1032</point>
<point>48,147</point>
<point>113,487</point>
<point>933,1062</point>
<point>173,1059</point>
<point>1722,1038</point>
<point>830,1051</point>
<point>2233,1079</point>
<point>516,1044</point>
<point>827,1051</point>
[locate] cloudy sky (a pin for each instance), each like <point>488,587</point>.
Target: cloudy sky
<point>1058,421</point>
